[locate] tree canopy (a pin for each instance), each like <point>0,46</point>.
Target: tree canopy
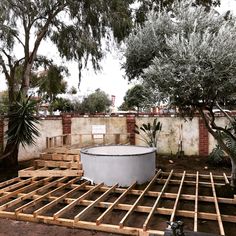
<point>95,102</point>
<point>136,97</point>
<point>189,56</point>
<point>76,28</point>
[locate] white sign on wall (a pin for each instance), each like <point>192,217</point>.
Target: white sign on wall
<point>98,131</point>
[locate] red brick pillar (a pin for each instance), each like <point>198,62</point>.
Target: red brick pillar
<point>203,138</point>
<point>130,121</point>
<point>1,135</point>
<point>66,127</point>
<point>66,124</point>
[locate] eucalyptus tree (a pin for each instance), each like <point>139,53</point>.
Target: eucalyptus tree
<point>189,56</point>
<point>52,83</point>
<point>76,28</point>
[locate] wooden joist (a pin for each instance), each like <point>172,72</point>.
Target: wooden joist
<point>46,194</point>
<point>196,203</point>
<point>113,205</point>
<point>222,232</point>
<point>121,224</point>
<point>156,202</point>
<point>177,198</point>
<point>76,201</point>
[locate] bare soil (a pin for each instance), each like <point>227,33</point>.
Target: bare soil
<point>166,163</point>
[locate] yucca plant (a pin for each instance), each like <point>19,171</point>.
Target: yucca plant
<point>22,129</point>
<point>149,132</point>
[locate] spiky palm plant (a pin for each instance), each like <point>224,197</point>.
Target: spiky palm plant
<point>149,132</point>
<point>22,131</point>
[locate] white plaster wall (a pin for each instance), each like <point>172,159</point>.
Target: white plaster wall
<point>83,125</point>
<point>170,135</point>
<point>167,143</point>
<point>47,128</point>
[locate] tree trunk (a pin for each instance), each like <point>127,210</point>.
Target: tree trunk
<point>233,173</point>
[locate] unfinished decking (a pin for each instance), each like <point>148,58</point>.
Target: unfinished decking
<point>137,210</point>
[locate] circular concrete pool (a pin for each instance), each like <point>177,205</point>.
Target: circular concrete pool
<point>118,164</point>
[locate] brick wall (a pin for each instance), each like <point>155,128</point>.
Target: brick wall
<point>203,138</point>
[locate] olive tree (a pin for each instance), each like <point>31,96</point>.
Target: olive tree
<point>188,55</point>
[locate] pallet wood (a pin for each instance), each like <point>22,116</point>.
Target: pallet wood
<point>59,164</point>
<point>54,165</point>
<point>46,193</point>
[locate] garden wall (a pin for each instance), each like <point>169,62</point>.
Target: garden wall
<point>195,138</point>
<point>51,126</point>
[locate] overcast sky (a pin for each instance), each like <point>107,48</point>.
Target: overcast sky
<point>111,78</point>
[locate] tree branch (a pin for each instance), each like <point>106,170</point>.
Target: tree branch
<point>214,134</point>
<point>225,113</point>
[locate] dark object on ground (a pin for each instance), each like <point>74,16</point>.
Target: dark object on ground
<point>189,233</point>
<point>177,227</point>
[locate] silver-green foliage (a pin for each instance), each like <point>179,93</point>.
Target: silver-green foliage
<point>189,56</point>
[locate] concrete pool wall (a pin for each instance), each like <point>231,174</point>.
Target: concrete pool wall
<point>118,164</point>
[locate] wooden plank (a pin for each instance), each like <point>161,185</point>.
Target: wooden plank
<point>84,212</point>
<point>113,205</point>
<point>121,223</point>
<point>10,181</point>
<point>60,156</point>
<point>145,225</point>
<point>16,185</point>
<point>226,179</point>
<point>190,183</point>
<point>76,201</point>
<point>202,176</point>
<point>50,173</point>
<point>33,193</point>
<point>171,195</point>
<point>25,188</point>
<point>221,227</point>
<point>196,203</point>
<point>177,198</point>
<point>58,200</point>
<point>45,196</point>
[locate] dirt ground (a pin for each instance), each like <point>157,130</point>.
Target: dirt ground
<point>166,163</point>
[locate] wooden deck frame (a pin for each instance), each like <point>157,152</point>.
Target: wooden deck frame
<point>18,190</point>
